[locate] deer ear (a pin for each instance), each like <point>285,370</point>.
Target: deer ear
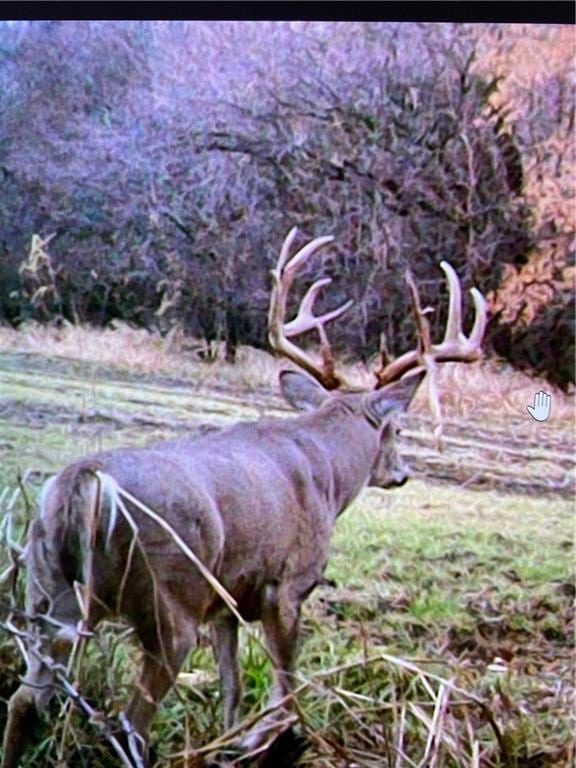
<point>302,391</point>
<point>391,398</point>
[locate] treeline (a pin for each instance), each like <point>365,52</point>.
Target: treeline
<point>160,165</point>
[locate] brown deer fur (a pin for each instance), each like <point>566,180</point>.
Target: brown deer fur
<point>256,502</point>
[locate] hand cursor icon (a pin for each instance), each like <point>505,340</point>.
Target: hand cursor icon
<point>541,408</point>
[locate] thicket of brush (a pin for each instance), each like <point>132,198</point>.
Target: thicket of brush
<point>160,165</point>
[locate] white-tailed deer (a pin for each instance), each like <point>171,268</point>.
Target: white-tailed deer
<point>255,502</point>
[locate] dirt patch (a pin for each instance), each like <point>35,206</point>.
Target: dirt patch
<point>514,631</point>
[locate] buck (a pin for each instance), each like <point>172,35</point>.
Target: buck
<point>254,502</point>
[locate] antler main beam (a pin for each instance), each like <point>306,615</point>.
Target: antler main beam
<point>455,346</point>
<point>280,332</point>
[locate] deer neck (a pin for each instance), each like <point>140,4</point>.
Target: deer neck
<point>346,446</point>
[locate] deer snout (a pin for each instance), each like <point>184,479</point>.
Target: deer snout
<point>400,479</point>
<point>390,475</point>
<point>396,479</point>
<point>401,473</point>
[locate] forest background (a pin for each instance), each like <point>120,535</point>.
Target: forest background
<point>150,170</point>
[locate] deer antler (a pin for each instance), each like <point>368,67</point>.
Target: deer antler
<point>280,332</point>
<point>455,346</point>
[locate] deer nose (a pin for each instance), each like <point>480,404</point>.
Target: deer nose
<point>401,473</point>
<point>394,480</point>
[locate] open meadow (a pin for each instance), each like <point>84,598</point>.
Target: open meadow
<point>444,633</point>
<point>176,197</point>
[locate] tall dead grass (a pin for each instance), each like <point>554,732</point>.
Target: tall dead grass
<point>490,388</point>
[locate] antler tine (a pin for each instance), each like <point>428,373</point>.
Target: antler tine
<point>285,250</point>
<point>424,337</point>
<point>454,334</point>
<point>306,320</point>
<point>279,331</point>
<point>454,322</point>
<point>431,368</point>
<point>480,318</point>
<point>393,369</point>
<point>426,357</point>
<point>454,347</point>
<point>305,252</point>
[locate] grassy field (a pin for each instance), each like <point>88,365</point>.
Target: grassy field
<point>444,636</point>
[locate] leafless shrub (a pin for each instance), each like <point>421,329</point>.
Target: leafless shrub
<point>165,199</point>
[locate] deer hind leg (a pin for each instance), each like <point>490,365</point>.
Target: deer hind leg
<point>165,649</point>
<point>280,621</point>
<point>225,641</point>
<point>156,678</point>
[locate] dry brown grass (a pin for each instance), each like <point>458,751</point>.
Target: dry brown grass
<point>489,387</point>
<point>139,351</point>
